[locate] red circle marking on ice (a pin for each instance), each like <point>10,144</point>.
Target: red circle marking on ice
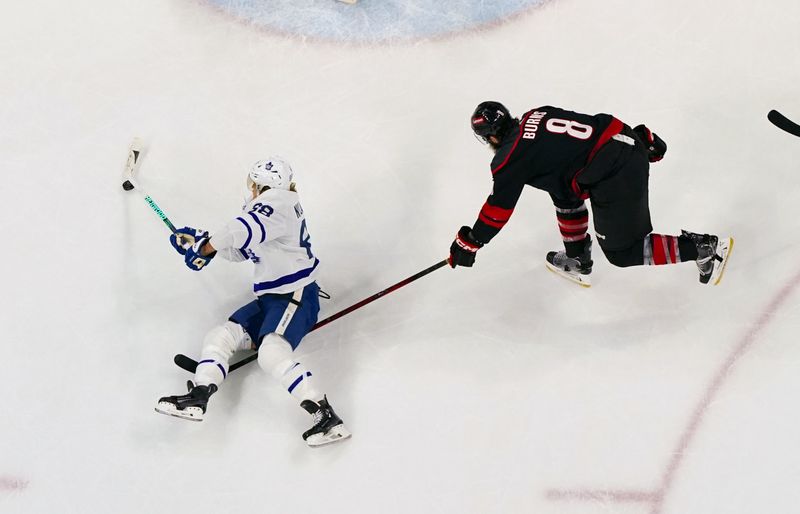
<point>656,498</point>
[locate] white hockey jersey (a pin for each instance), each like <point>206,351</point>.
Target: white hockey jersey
<point>271,232</point>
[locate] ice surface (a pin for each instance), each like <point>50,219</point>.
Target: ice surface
<point>372,21</point>
<point>500,388</point>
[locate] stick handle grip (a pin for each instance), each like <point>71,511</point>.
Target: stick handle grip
<point>153,205</point>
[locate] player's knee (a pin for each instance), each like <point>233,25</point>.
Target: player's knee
<point>275,355</point>
<point>622,258</point>
<point>225,340</point>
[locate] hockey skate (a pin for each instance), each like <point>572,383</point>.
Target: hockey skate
<point>328,427</point>
<point>189,406</point>
<point>575,269</point>
<point>712,255</point>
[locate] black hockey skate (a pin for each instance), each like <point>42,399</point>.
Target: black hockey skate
<point>576,269</point>
<point>712,255</point>
<point>328,427</point>
<point>190,406</point>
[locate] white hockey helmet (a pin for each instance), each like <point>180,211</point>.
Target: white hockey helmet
<point>272,172</point>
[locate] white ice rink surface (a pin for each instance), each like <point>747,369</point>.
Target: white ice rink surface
<point>500,388</point>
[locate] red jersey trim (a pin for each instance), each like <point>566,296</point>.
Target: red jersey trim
<point>495,217</point>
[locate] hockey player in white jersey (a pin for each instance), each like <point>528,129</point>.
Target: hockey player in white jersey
<point>271,233</point>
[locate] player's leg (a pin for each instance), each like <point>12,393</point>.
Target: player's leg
<point>618,186</point>
<point>285,324</point>
<point>708,251</point>
<point>574,262</point>
<point>218,346</point>
<point>622,224</point>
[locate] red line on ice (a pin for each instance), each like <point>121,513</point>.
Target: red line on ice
<point>619,496</point>
<point>656,498</point>
<point>12,484</point>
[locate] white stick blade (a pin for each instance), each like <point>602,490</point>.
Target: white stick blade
<point>135,154</point>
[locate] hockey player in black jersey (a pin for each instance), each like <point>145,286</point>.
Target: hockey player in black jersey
<point>574,157</point>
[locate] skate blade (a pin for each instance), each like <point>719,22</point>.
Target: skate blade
<point>189,413</point>
<point>581,280</point>
<point>725,249</point>
<point>334,435</point>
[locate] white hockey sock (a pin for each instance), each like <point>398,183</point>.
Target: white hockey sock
<point>298,381</point>
<point>276,358</point>
<point>210,371</point>
<point>218,347</point>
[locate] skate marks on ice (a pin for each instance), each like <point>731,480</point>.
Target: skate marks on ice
<point>656,498</point>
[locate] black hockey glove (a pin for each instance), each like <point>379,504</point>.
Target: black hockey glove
<point>656,147</point>
<point>463,249</point>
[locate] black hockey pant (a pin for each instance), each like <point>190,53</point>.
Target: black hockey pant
<point>617,180</point>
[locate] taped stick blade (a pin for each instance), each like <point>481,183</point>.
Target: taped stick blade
<point>135,154</point>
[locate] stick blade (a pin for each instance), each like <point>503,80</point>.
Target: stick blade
<point>135,154</point>
<point>186,363</point>
<point>783,123</point>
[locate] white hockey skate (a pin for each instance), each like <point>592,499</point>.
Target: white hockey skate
<point>191,406</point>
<point>328,427</point>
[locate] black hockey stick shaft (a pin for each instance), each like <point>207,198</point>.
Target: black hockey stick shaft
<point>783,123</point>
<point>190,364</point>
<point>379,294</point>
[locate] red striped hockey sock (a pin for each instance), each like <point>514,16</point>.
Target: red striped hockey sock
<point>573,224</point>
<point>660,249</point>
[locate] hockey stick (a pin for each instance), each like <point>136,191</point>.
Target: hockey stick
<point>783,123</point>
<point>190,364</point>
<point>135,154</point>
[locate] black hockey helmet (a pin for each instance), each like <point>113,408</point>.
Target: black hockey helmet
<point>491,119</point>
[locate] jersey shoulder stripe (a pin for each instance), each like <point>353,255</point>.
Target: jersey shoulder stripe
<point>260,225</point>
<point>249,233</point>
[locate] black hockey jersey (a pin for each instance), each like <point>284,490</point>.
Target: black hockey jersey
<point>548,150</point>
